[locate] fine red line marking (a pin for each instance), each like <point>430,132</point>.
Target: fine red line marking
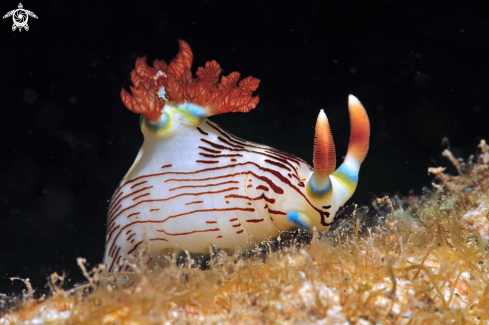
<point>112,224</point>
<point>262,187</point>
<point>230,144</point>
<point>170,198</point>
<point>116,253</point>
<point>188,233</point>
<point>219,237</point>
<point>138,184</point>
<point>262,196</point>
<point>202,131</point>
<point>112,231</point>
<point>170,217</point>
<point>276,212</point>
<point>211,222</point>
<point>154,210</point>
<point>133,214</point>
<point>286,156</point>
<point>114,211</point>
<point>327,207</point>
<point>166,166</point>
<point>137,197</point>
<point>215,145</point>
<point>233,219</point>
<point>194,202</point>
<point>241,148</point>
<point>208,161</point>
<point>205,185</point>
<point>210,150</point>
<point>117,193</point>
<point>126,196</point>
<point>128,238</point>
<point>270,183</point>
<point>207,155</point>
<point>113,260</point>
<point>235,139</point>
<point>255,220</point>
<point>118,259</point>
<point>238,225</point>
<point>272,162</point>
<point>142,241</point>
<point>210,210</point>
<point>274,187</point>
<point>276,154</point>
<point>249,203</point>
<point>249,186</point>
<point>238,232</point>
<point>112,250</point>
<point>233,159</point>
<point>115,198</point>
<point>128,231</point>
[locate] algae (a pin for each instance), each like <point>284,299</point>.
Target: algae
<point>404,260</point>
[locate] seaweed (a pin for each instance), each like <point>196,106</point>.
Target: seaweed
<point>413,260</point>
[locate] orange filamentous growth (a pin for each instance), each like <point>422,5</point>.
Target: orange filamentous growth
<point>180,87</point>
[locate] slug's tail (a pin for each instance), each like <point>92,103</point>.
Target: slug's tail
<point>174,84</point>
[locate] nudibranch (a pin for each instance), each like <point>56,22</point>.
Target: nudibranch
<point>194,185</point>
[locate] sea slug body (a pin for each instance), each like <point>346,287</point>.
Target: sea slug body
<point>193,184</point>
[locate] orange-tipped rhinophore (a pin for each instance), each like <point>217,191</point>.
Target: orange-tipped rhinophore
<point>360,130</point>
<point>324,152</point>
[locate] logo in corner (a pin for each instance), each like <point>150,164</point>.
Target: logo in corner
<point>20,17</point>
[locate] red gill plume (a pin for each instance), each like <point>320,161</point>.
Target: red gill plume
<point>229,95</point>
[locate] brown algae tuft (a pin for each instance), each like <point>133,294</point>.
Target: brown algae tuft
<point>425,262</point>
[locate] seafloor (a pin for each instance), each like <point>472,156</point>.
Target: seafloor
<point>416,260</point>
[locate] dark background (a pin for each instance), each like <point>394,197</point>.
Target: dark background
<point>420,69</point>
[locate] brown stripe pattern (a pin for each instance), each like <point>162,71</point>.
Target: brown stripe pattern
<point>227,191</point>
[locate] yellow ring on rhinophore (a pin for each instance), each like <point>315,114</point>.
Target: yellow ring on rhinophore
<point>348,179</point>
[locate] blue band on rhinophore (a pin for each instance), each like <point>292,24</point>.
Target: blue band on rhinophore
<point>297,219</point>
<point>317,191</point>
<point>345,170</point>
<point>347,177</point>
